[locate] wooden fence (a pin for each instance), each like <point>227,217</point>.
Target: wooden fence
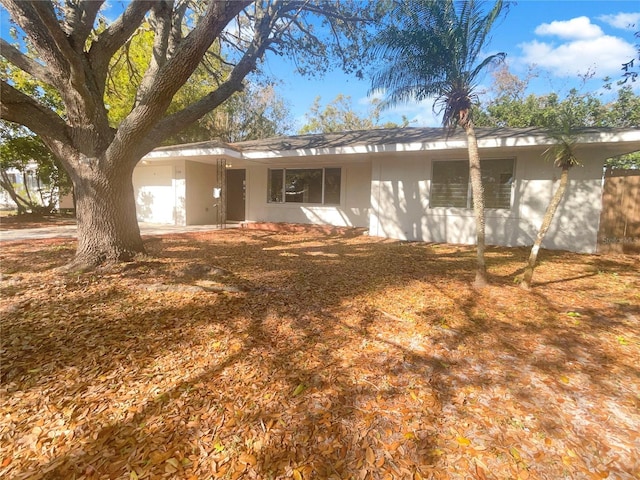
<point>620,218</point>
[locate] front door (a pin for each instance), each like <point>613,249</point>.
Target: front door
<point>236,186</point>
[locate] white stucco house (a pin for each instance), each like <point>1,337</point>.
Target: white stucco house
<point>405,183</point>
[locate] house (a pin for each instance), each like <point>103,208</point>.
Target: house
<point>403,183</point>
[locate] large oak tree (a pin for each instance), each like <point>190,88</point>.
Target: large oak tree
<point>67,48</point>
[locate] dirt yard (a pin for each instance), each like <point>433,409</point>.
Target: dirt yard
<point>264,355</point>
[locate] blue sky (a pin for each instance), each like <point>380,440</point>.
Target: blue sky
<point>562,38</point>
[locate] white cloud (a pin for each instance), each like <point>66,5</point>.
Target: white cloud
<point>576,28</point>
<point>420,114</point>
<point>586,48</point>
<point>624,21</point>
<point>425,119</point>
<point>371,98</point>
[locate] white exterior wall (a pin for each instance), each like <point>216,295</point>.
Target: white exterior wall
<point>160,192</point>
<point>575,225</point>
<point>400,203</point>
<point>353,210</point>
<point>201,207</point>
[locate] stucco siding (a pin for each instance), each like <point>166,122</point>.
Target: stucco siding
<point>400,203</point>
<point>159,191</point>
<point>353,210</point>
<point>575,225</point>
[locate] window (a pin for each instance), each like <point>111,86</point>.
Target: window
<point>450,186</point>
<point>304,185</point>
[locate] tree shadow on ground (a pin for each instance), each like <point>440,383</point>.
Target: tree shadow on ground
<point>308,371</point>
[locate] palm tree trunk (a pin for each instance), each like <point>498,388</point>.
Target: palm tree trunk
<point>477,192</point>
<point>546,223</point>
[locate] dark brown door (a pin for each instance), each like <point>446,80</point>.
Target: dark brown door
<point>236,185</point>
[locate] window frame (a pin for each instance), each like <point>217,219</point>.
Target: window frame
<point>469,197</point>
<point>283,193</point>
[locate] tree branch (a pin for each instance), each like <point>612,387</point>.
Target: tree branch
<point>66,66</point>
<point>176,30</point>
<point>19,108</point>
<point>160,22</point>
<point>67,56</point>
<point>28,18</point>
<point>172,124</point>
<point>173,74</point>
<point>114,37</point>
<point>79,20</point>
<point>327,10</point>
<point>30,66</point>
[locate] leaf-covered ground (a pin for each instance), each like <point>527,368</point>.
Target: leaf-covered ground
<point>261,355</point>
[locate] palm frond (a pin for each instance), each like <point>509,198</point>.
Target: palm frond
<point>434,51</point>
<point>563,128</point>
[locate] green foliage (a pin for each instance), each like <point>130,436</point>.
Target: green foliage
<point>624,162</point>
<point>255,113</point>
<point>125,73</point>
<point>22,151</point>
<point>586,110</point>
<point>625,110</point>
<point>434,49</point>
<point>339,116</point>
<point>511,108</point>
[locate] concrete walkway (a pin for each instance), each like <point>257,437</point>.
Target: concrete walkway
<point>70,231</point>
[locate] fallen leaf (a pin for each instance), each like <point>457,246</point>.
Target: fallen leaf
<point>299,389</point>
<point>97,363</point>
<point>370,456</point>
<point>480,473</point>
<point>514,453</point>
<point>248,459</point>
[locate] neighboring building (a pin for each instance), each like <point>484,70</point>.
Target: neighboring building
<point>41,194</point>
<point>405,183</point>
<point>19,179</point>
<point>6,202</point>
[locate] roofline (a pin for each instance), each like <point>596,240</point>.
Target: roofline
<point>537,137</point>
<point>194,151</point>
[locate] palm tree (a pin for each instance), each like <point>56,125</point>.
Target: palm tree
<point>562,153</point>
<point>434,51</point>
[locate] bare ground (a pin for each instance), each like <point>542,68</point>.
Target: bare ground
<point>250,354</point>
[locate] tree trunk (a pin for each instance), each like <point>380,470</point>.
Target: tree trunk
<point>108,229</point>
<point>17,199</point>
<point>475,177</point>
<point>546,223</point>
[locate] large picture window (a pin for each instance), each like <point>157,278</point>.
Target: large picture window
<point>450,186</point>
<point>304,185</point>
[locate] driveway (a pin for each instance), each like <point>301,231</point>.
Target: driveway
<point>70,231</point>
